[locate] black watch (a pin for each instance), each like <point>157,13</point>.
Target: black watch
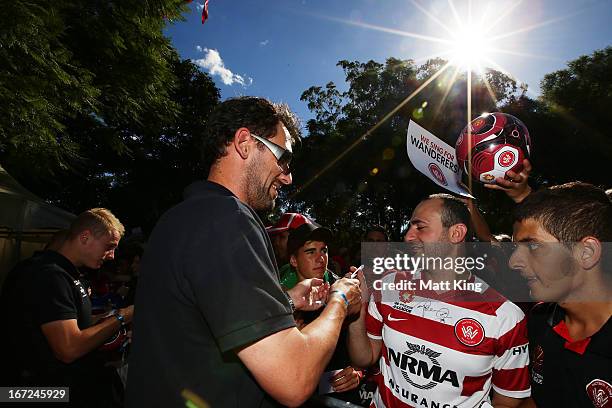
<point>290,302</point>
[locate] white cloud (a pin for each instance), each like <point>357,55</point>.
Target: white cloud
<point>214,64</point>
<point>200,6</point>
<point>198,48</point>
<point>264,43</point>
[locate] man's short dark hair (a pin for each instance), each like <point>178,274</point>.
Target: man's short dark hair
<point>570,212</point>
<point>259,115</point>
<point>454,211</point>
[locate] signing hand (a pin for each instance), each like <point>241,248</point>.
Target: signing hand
<point>309,294</point>
<point>346,380</point>
<point>514,185</point>
<point>363,285</point>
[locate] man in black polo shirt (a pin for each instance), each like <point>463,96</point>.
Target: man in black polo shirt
<point>564,234</point>
<point>213,322</point>
<point>50,336</point>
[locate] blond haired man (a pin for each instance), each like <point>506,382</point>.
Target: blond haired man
<point>53,336</point>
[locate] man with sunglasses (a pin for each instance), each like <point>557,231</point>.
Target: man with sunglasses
<point>213,322</point>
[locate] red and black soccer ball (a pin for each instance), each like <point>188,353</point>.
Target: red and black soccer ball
<point>499,143</point>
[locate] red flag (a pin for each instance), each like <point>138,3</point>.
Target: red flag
<point>205,12</point>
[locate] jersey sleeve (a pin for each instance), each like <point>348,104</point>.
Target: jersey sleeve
<point>53,296</point>
<point>374,320</point>
<point>511,367</point>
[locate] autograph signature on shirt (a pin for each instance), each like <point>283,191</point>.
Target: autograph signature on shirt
<point>428,308</point>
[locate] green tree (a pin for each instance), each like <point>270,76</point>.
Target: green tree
<point>167,155</point>
<point>161,155</point>
<point>583,89</point>
<point>68,64</point>
<point>575,141</point>
<point>97,109</point>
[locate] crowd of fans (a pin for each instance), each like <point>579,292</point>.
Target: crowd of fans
<point>322,336</point>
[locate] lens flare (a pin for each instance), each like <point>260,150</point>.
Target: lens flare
<point>470,48</point>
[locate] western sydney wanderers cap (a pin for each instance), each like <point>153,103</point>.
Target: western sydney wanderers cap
<point>287,221</point>
<point>307,232</point>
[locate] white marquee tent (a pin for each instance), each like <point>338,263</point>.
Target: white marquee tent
<point>26,222</point>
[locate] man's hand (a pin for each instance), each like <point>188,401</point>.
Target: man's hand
<point>515,186</point>
<point>350,289</point>
<point>127,313</point>
<point>309,294</point>
<point>68,342</point>
<point>345,380</point>
<point>363,284</point>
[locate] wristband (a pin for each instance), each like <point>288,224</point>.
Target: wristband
<point>119,317</point>
<point>346,302</point>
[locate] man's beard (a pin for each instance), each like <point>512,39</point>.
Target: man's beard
<point>257,195</point>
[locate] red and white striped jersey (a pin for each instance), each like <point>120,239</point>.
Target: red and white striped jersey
<point>445,350</point>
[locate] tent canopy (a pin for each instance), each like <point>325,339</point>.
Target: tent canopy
<point>26,222</point>
<point>20,210</point>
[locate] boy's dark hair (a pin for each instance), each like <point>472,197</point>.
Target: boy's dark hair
<point>259,115</point>
<point>376,228</point>
<point>570,211</point>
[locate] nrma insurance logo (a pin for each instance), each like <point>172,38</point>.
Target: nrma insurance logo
<point>424,372</point>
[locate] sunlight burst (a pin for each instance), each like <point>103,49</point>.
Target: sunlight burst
<point>470,48</point>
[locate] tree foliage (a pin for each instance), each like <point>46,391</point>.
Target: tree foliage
<point>67,63</point>
<point>160,156</point>
<point>97,109</point>
<point>375,183</point>
<point>575,121</point>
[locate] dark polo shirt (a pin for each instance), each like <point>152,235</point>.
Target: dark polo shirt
<point>209,286</point>
<point>39,290</point>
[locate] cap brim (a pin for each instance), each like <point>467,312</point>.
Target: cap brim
<point>272,230</point>
<point>317,233</point>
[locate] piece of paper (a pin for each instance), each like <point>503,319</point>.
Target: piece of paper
<point>325,385</point>
<point>434,158</point>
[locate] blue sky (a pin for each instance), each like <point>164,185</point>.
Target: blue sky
<point>279,48</point>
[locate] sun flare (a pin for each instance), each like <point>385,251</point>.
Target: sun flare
<point>470,48</point>
<point>468,38</point>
